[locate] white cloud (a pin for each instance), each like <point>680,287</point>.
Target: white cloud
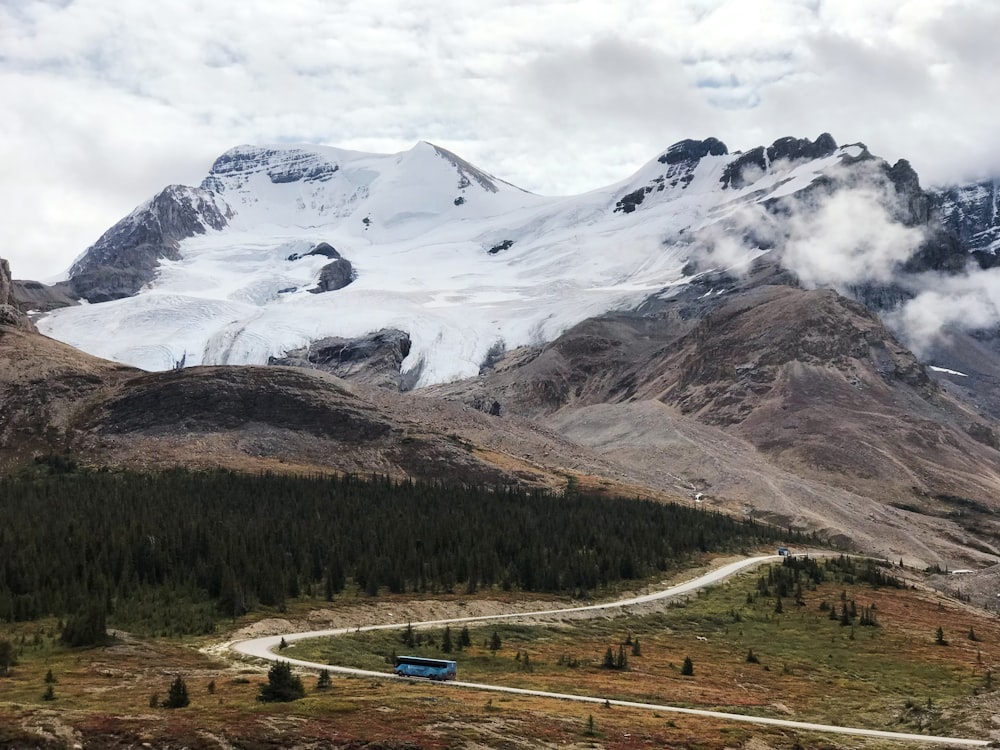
<point>848,239</point>
<point>106,102</point>
<point>968,302</point>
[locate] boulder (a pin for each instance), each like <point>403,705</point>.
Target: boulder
<point>334,275</point>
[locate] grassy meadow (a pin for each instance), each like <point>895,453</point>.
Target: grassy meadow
<point>894,676</point>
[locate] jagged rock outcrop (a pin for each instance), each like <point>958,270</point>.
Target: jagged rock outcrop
<point>6,287</point>
<point>914,206</point>
<point>732,175</point>
<point>375,359</point>
<point>125,258</point>
<point>787,149</point>
<point>791,148</point>
<point>10,313</point>
<point>692,150</point>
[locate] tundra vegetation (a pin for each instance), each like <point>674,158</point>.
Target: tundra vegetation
<point>807,666</point>
<point>852,642</point>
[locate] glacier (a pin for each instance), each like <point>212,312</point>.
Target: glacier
<point>457,258</point>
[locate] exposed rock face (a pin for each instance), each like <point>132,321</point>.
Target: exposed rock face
<point>467,173</point>
<point>375,359</point>
<point>732,175</point>
<point>10,314</point>
<point>692,150</point>
<point>227,398</point>
<point>972,214</point>
<point>33,295</point>
<point>285,165</point>
<point>801,148</point>
<point>6,287</point>
<point>788,148</point>
<point>126,256</point>
<point>334,275</point>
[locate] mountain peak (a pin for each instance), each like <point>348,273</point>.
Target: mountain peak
<point>455,258</point>
<point>692,150</point>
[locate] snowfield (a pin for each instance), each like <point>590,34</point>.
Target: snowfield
<point>419,228</point>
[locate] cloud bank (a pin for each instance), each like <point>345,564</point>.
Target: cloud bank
<point>107,102</point>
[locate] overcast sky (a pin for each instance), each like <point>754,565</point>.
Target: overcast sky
<point>104,102</point>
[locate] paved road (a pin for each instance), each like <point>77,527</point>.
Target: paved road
<point>263,648</point>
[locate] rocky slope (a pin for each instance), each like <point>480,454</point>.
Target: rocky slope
<point>812,380</point>
<point>126,257</point>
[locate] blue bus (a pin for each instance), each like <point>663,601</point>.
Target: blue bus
<point>432,669</point>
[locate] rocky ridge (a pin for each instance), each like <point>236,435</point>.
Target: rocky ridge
<point>10,313</point>
<point>125,258</point>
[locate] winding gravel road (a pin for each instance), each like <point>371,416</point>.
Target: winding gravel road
<point>263,648</point>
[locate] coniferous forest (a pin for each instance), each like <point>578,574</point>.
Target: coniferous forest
<point>172,552</point>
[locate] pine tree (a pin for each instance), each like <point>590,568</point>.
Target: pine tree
<point>939,637</point>
<point>845,616</point>
<point>687,668</point>
<point>50,679</point>
<point>636,648</point>
<point>49,694</point>
<point>87,627</point>
<point>464,639</point>
<point>972,634</point>
<point>8,657</point>
<point>323,681</point>
<point>752,658</point>
<point>495,643</point>
<point>621,661</point>
<point>177,697</point>
<point>407,637</point>
<point>335,579</point>
<point>282,686</point>
<point>609,659</point>
<point>446,640</point>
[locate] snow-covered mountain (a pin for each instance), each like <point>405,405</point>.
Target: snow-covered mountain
<point>281,247</point>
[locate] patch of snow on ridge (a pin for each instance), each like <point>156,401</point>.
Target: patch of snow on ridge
<point>946,371</point>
